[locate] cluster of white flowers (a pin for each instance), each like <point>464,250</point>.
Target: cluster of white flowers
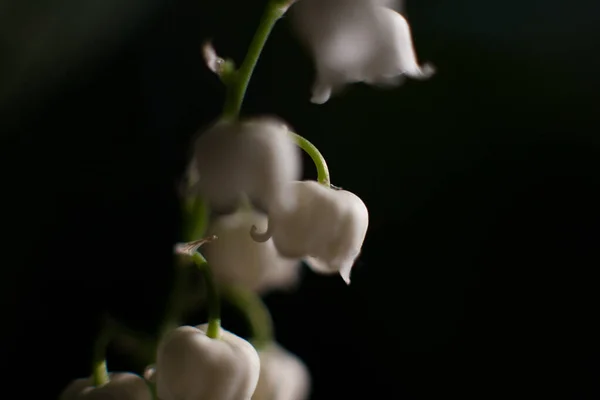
<point>265,220</point>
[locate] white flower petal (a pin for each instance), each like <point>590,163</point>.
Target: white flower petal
<point>399,57</point>
<point>319,266</point>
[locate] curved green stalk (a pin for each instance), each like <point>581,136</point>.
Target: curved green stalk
<point>212,295</point>
<point>256,313</point>
<point>239,82</point>
<point>314,153</point>
<point>99,369</point>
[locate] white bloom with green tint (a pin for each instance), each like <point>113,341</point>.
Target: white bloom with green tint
<point>192,366</point>
<point>326,228</point>
<point>356,41</point>
<point>283,376</point>
<point>121,386</point>
<point>236,259</point>
<point>256,158</point>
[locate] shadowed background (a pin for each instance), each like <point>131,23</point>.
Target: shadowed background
<point>478,272</point>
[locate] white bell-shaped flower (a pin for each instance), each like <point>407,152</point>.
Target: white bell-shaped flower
<point>356,41</point>
<point>283,376</point>
<point>256,157</point>
<point>236,259</point>
<point>192,366</point>
<point>326,228</point>
<point>121,386</point>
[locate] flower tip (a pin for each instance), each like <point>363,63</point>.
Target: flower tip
<point>426,71</point>
<point>260,237</point>
<point>320,94</point>
<point>345,274</point>
<point>318,100</point>
<point>429,69</point>
<point>346,270</point>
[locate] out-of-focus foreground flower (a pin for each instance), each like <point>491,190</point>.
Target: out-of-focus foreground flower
<point>121,386</point>
<point>283,376</point>
<point>256,158</point>
<point>192,366</point>
<point>238,260</point>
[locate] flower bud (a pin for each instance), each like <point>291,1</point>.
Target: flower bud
<point>149,374</point>
<point>326,228</point>
<point>356,41</point>
<point>255,157</point>
<point>236,259</point>
<point>192,366</point>
<point>223,68</point>
<point>121,386</point>
<point>283,376</point>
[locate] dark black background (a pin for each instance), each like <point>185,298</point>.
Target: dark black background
<point>478,275</point>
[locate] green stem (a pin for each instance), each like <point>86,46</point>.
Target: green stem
<point>99,370</point>
<point>141,345</point>
<point>99,373</point>
<point>196,217</point>
<point>176,300</point>
<point>255,311</point>
<point>212,294</point>
<point>314,153</point>
<point>239,85</point>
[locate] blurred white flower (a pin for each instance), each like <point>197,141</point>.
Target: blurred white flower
<point>236,259</point>
<point>255,157</point>
<point>356,41</point>
<point>192,366</point>
<point>283,376</point>
<point>326,228</point>
<point>122,386</point>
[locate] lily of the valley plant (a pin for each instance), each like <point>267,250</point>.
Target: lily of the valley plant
<point>251,220</point>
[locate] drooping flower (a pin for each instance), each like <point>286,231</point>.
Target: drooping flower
<point>356,41</point>
<point>192,366</point>
<point>236,259</point>
<point>121,386</point>
<point>256,158</point>
<point>326,228</point>
<point>283,376</point>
